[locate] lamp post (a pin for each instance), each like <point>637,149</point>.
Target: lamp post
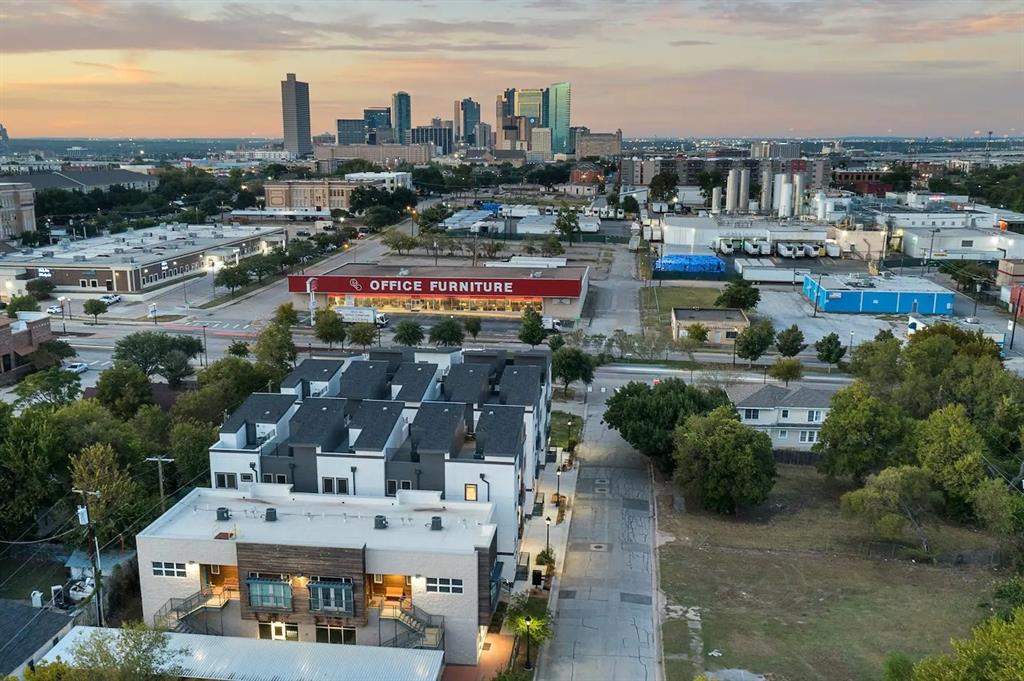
<point>851,343</point>
<point>435,253</point>
<point>528,622</point>
<point>558,488</point>
<point>547,539</point>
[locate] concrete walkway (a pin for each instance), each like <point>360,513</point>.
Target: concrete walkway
<point>605,617</point>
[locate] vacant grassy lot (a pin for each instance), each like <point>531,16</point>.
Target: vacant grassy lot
<point>779,590</point>
<point>21,578</point>
<point>656,302</point>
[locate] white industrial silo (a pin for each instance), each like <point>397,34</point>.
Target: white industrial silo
<point>732,188</point>
<point>766,190</point>
<point>780,179</point>
<point>798,193</point>
<point>786,200</point>
<point>743,202</point>
<point>819,204</point>
<point>716,200</point>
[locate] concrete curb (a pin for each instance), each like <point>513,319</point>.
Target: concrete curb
<point>659,652</point>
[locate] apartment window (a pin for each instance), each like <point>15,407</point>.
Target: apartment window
<point>327,485</point>
<point>444,585</point>
<point>281,478</point>
<point>246,477</point>
<point>279,631</point>
<point>750,414</point>
<point>378,579</point>
<point>809,436</point>
<point>731,334</point>
<point>470,492</point>
<point>331,596</point>
<point>967,243</point>
<point>813,415</point>
<point>169,569</point>
<point>391,488</point>
<point>214,569</point>
<point>275,594</point>
<point>226,480</point>
<point>334,485</point>
<point>785,413</point>
<point>406,484</point>
<point>331,634</point>
<point>783,434</point>
<point>268,477</point>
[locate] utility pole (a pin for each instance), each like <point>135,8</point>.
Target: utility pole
<point>84,518</point>
<point>160,461</point>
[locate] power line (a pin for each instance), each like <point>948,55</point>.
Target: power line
<point>39,541</point>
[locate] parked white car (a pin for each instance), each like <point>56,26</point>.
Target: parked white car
<point>110,298</point>
<point>76,367</point>
<point>55,309</point>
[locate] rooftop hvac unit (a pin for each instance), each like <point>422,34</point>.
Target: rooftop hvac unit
<point>223,513</point>
<point>147,250</point>
<point>162,237</point>
<point>147,234</point>
<point>118,250</point>
<point>191,234</point>
<point>380,522</point>
<point>79,258</point>
<point>271,515</point>
<point>48,254</point>
<point>435,523</point>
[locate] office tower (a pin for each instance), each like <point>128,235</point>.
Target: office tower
<point>574,132</point>
<point>401,115</point>
<point>351,131</point>
<point>530,104</point>
<point>558,100</point>
<point>378,124</point>
<point>467,116</point>
<point>540,143</point>
<point>438,135</point>
<point>482,136</point>
<point>295,112</point>
<point>5,141</point>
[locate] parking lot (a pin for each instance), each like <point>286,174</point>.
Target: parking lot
<point>783,307</point>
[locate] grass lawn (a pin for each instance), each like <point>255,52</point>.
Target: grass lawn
<point>37,574</point>
<point>656,302</point>
<point>779,591</point>
<point>560,432</point>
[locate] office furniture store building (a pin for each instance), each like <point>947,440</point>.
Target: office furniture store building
<point>557,292</point>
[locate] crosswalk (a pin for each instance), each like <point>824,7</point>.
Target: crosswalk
<point>220,325</point>
<point>100,363</point>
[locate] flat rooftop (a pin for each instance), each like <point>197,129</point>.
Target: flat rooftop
<point>150,245</point>
<point>373,270</point>
<point>915,284</point>
<point>325,520</point>
<point>709,314</point>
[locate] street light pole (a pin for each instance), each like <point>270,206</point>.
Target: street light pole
<point>735,333</point>
<point>206,352</point>
<point>558,488</point>
<point>851,343</point>
<point>529,623</point>
<point>547,539</point>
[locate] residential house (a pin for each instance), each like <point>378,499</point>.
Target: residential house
<point>792,417</point>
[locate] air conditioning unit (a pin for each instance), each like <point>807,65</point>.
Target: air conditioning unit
<point>79,258</point>
<point>162,237</point>
<point>118,250</point>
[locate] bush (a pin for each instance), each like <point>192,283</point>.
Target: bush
<point>546,557</point>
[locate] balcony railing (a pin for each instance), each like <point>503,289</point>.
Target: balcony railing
<point>421,629</point>
<point>173,615</point>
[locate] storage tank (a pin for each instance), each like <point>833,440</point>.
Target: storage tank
<point>780,179</point>
<point>732,188</point>
<point>766,190</point>
<point>819,205</point>
<point>716,200</point>
<point>743,202</point>
<point>786,201</point>
<point>798,193</point>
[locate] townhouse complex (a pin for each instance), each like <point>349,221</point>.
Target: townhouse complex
<point>376,499</point>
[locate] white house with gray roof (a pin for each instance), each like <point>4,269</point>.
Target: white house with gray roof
<point>792,417</point>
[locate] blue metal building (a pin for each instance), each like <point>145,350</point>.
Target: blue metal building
<point>878,295</point>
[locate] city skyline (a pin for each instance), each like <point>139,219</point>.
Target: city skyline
<point>670,69</point>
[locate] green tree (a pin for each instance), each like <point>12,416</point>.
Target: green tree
<point>630,206</point>
<point>408,332</point>
<point>447,332</point>
<point>26,303</point>
<point>123,388</point>
<point>898,667</point>
<point>232,277</point>
<point>189,445</point>
<point>151,426</point>
<point>950,448</point>
<point>51,388</point>
<point>994,653</point>
<point>790,342</point>
<point>891,500</point>
<point>726,463</point>
<point>707,181</point>
<point>646,416</point>
<point>830,350</point>
<point>238,376</point>
<point>663,186</point>
<point>876,363</point>
<point>1008,596</point>
<point>697,332</point>
<point>260,266</point>
<point>175,367</point>
<point>1000,508</point>
<point>286,315</point>
<point>569,364</point>
<point>146,349</point>
<point>362,334</point>
<point>115,507</point>
<point>786,369</point>
<point>862,434</point>
<point>130,653</point>
<point>551,247</point>
<point>556,342</point>
<point>51,353</point>
<point>754,341</point>
<point>93,307</point>
<point>567,223</point>
<point>31,457</point>
<point>528,616</point>
<point>275,349</point>
<point>238,348</point>
<point>84,423</point>
<point>328,327</point>
<point>40,289</point>
<point>472,325</point>
<point>739,293</point>
<point>531,328</point>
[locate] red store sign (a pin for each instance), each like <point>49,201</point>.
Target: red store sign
<point>458,287</point>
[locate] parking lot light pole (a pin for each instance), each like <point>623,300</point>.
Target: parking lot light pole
<point>547,539</point>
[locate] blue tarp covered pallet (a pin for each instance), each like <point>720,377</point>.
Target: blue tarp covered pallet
<point>691,264</point>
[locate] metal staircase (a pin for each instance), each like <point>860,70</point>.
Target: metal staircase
<point>174,614</point>
<point>422,630</point>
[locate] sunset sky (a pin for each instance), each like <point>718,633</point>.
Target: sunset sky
<point>196,68</point>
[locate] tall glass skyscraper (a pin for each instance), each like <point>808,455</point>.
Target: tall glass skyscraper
<point>557,101</point>
<point>467,117</point>
<point>401,115</point>
<point>530,104</point>
<point>295,114</point>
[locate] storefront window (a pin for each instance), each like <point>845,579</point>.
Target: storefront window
<point>442,305</point>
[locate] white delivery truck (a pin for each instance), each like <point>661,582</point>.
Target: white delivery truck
<point>551,324</point>
<point>362,315</point>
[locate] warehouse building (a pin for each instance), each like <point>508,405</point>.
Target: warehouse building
<point>557,292</point>
<point>864,294</point>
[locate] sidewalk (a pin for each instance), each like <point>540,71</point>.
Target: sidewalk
<point>535,533</point>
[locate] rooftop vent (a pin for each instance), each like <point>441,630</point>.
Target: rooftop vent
<point>380,522</point>
<point>435,523</point>
<point>271,516</point>
<point>223,513</point>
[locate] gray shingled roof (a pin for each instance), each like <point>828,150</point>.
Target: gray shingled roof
<point>320,421</point>
<point>24,630</point>
<point>259,408</point>
<point>375,420</point>
<point>774,396</point>
<point>312,370</point>
<point>499,430</point>
<point>496,359</point>
<point>466,382</point>
<point>435,425</point>
<point>394,356</point>
<point>520,385</point>
<point>365,380</point>
<point>414,379</point>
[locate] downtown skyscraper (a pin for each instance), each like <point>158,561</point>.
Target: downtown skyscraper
<point>295,114</point>
<point>467,117</point>
<point>401,115</point>
<point>557,105</point>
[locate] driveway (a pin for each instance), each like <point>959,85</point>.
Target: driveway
<point>604,625</point>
